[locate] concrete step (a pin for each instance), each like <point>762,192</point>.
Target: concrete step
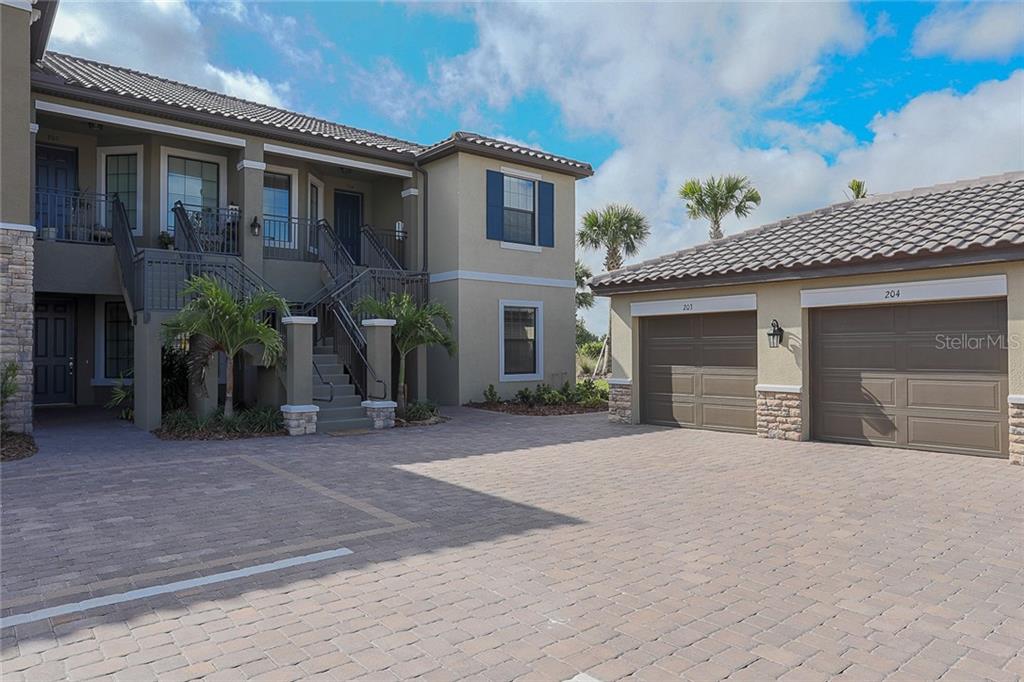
<point>339,400</point>
<point>330,411</point>
<point>360,423</point>
<point>341,390</point>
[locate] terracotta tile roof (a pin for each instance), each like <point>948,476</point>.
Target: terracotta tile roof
<point>981,214</point>
<point>135,85</point>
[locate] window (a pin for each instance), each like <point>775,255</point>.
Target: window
<point>277,205</point>
<point>192,182</point>
<point>518,221</point>
<point>119,344</point>
<point>121,176</point>
<point>522,340</point>
<point>314,202</point>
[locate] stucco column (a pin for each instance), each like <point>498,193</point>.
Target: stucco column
<point>202,399</point>
<point>411,220</point>
<point>299,411</point>
<point>251,166</point>
<point>1015,369</point>
<point>381,409</point>
<point>147,374</point>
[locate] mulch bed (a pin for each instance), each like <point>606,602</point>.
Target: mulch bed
<point>538,410</point>
<point>402,424</point>
<point>214,435</point>
<point>16,446</point>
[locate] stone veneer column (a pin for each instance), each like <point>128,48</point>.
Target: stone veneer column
<point>779,412</point>
<point>16,320</point>
<point>381,409</point>
<point>1017,429</point>
<point>620,401</point>
<point>299,412</point>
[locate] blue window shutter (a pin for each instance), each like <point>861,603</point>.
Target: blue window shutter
<point>495,204</point>
<point>545,214</point>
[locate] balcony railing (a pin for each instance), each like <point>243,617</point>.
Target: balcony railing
<point>71,216</point>
<point>382,248</point>
<point>216,230</point>
<point>290,238</point>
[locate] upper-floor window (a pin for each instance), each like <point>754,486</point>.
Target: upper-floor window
<point>520,210</point>
<point>277,206</point>
<point>193,182</point>
<point>121,176</point>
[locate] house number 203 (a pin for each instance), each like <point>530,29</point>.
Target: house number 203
<point>892,293</point>
<point>687,306</point>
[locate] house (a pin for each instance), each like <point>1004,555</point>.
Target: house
<point>103,168</point>
<point>896,320</point>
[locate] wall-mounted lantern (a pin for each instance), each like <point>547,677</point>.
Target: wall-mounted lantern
<point>254,226</point>
<point>775,335</point>
<point>400,232</point>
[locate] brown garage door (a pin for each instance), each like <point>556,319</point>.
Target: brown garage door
<point>926,376</point>
<point>699,371</point>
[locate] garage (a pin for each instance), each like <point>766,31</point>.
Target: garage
<point>929,376</point>
<point>700,370</point>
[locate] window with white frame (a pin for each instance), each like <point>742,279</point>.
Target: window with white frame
<point>193,182</point>
<point>118,341</point>
<point>521,325</point>
<point>520,211</point>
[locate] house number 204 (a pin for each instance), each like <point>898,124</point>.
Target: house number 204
<point>892,293</point>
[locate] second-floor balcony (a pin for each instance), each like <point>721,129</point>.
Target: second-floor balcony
<point>73,216</point>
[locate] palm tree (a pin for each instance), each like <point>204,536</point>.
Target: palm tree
<point>584,297</point>
<point>716,198</point>
<point>215,322</point>
<point>858,188</point>
<point>620,230</point>
<point>415,325</point>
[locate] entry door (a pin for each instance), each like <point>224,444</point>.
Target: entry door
<point>348,219</point>
<point>57,172</point>
<point>54,352</point>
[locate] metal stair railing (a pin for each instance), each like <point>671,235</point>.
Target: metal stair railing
<point>375,253</point>
<point>128,256</point>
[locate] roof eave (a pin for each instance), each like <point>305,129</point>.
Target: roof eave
<point>40,30</point>
<point>451,146</point>
<point>941,260</point>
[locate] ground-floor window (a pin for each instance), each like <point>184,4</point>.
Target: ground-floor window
<point>522,340</point>
<point>118,340</point>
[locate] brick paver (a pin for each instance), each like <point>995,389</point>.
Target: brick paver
<point>504,547</point>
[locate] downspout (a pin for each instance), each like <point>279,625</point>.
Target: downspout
<point>425,194</point>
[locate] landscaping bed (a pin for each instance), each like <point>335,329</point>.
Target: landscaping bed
<point>420,413</point>
<point>16,446</point>
<point>545,401</point>
<point>538,410</point>
<point>258,422</point>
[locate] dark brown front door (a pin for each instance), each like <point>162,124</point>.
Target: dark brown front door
<point>54,352</point>
<point>699,371</point>
<point>924,376</point>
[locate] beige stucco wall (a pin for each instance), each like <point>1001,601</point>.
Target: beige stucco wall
<point>15,117</point>
<point>781,300</point>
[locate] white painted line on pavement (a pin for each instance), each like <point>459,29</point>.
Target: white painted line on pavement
<point>133,595</point>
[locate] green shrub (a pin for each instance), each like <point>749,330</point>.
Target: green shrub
<point>591,349</point>
<point>585,365</point>
<point>183,424</point>
<point>180,423</point>
<point>420,410</point>
<point>490,395</point>
<point>590,393</point>
<point>526,397</point>
<point>123,396</point>
<point>173,378</point>
<point>546,395</point>
<point>262,420</point>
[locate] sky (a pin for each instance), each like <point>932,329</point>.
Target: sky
<point>799,97</point>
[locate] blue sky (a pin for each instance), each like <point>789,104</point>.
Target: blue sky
<point>800,97</point>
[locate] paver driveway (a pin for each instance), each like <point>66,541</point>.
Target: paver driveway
<point>505,547</point>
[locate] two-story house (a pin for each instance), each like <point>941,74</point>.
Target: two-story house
<point>116,186</point>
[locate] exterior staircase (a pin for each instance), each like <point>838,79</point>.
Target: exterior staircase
<point>333,392</point>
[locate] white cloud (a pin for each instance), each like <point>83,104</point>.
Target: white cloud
<point>825,137</point>
<point>166,38</point>
<point>991,30</point>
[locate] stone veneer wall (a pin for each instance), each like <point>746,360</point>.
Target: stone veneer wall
<point>16,321</point>
<point>299,422</point>
<point>620,403</point>
<point>1017,432</point>
<point>381,413</point>
<point>779,415</point>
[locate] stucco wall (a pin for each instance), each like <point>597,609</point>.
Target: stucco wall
<point>781,300</point>
<point>15,116</point>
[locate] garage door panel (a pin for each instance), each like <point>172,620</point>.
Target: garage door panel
<point>936,355</point>
<point>663,409</point>
<point>935,318</point>
<point>728,417</point>
<point>982,437</point>
<point>669,381</point>
<point>864,320</point>
<point>670,351</point>
<point>726,325</point>
<point>729,355</point>
<point>859,355</point>
<point>860,426</point>
<point>728,386</point>
<point>671,326</point>
<point>857,390</point>
<point>954,393</point>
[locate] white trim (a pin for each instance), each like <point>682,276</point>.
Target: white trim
<point>779,388</point>
<point>314,180</point>
<point>168,588</point>
<point>502,279</point>
<point>906,292</point>
<point>379,322</point>
<point>222,179</point>
<point>292,409</point>
<point>299,319</point>
<point>1014,399</point>
<point>18,4</point>
<point>249,163</point>
<point>140,124</point>
<point>532,248</point>
<point>620,382</point>
<point>694,306</point>
<point>20,227</point>
<point>33,128</point>
<point>378,404</point>
<point>336,160</point>
<point>411,192</point>
<point>101,178</point>
<point>525,175</point>
<point>538,306</point>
